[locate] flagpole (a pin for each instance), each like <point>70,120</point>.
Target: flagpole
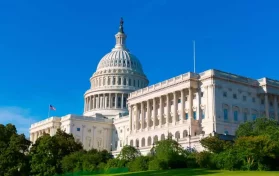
<point>194,55</point>
<point>48,111</point>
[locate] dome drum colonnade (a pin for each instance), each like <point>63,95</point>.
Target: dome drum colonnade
<point>118,74</point>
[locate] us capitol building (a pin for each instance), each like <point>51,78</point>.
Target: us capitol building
<point>121,109</point>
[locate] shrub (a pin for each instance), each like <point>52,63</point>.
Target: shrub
<point>139,164</point>
<point>177,161</point>
<point>191,160</point>
<point>205,159</point>
<point>156,164</point>
<point>116,163</point>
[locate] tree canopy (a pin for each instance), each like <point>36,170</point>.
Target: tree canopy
<point>47,153</point>
<point>13,149</point>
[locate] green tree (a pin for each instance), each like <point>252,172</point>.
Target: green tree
<point>254,149</point>
<point>260,126</point>
<point>13,152</point>
<point>170,152</point>
<point>47,153</point>
<point>128,153</point>
<point>214,144</point>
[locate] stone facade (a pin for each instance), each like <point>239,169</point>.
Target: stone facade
<point>119,108</point>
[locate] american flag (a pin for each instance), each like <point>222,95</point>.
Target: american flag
<point>52,107</point>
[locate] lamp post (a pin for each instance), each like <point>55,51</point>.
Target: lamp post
<point>152,150</point>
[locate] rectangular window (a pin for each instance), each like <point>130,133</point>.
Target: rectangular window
<point>245,116</point>
<point>235,115</point>
<point>253,99</point>
<point>130,82</point>
<point>271,104</point>
<point>186,116</point>
<point>201,94</point>
<point>113,81</point>
<point>125,81</point>
<point>134,83</point>
<point>195,115</point>
<point>262,101</point>
<point>78,129</point>
<point>225,114</point>
<point>224,94</point>
<point>119,102</point>
<point>234,96</point>
<point>119,81</point>
<point>179,101</point>
<point>244,98</point>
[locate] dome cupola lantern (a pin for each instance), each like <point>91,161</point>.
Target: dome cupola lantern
<point>120,38</point>
<point>118,74</point>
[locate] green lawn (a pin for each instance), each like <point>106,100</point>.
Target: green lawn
<point>197,172</point>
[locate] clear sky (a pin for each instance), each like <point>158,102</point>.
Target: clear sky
<point>50,49</point>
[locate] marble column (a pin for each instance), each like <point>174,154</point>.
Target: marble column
<point>161,112</point>
<point>137,117</point>
<point>266,105</point>
<point>190,108</point>
<point>101,101</point>
<point>168,109</point>
<point>115,101</point>
<point>122,100</point>
<point>106,101</point>
<point>148,114</point>
<point>182,111</point>
<point>142,115</point>
<point>110,102</point>
<point>90,103</point>
<point>154,112</point>
<point>275,107</point>
<point>131,118</point>
<point>174,108</point>
<point>84,107</point>
<point>97,101</point>
<point>93,101</point>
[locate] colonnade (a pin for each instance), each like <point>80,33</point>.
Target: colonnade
<point>35,135</point>
<point>274,105</point>
<point>118,80</point>
<point>105,101</point>
<point>163,110</point>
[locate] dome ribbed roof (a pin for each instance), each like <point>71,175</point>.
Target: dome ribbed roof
<point>120,59</point>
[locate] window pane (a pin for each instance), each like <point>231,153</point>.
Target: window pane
<point>225,114</point>
<point>235,115</point>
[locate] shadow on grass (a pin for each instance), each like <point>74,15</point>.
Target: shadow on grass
<point>174,172</point>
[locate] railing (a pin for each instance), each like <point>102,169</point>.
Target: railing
<point>171,81</point>
<point>51,119</point>
<point>98,119</point>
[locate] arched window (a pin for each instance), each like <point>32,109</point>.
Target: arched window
<point>143,142</point>
<point>149,141</point>
<point>235,113</point>
<point>226,112</point>
<point>162,137</point>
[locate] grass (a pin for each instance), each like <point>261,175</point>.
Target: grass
<point>197,172</point>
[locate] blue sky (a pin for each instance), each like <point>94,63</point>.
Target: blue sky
<point>50,49</point>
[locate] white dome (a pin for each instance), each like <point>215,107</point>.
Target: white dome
<point>120,59</point>
<point>118,74</point>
